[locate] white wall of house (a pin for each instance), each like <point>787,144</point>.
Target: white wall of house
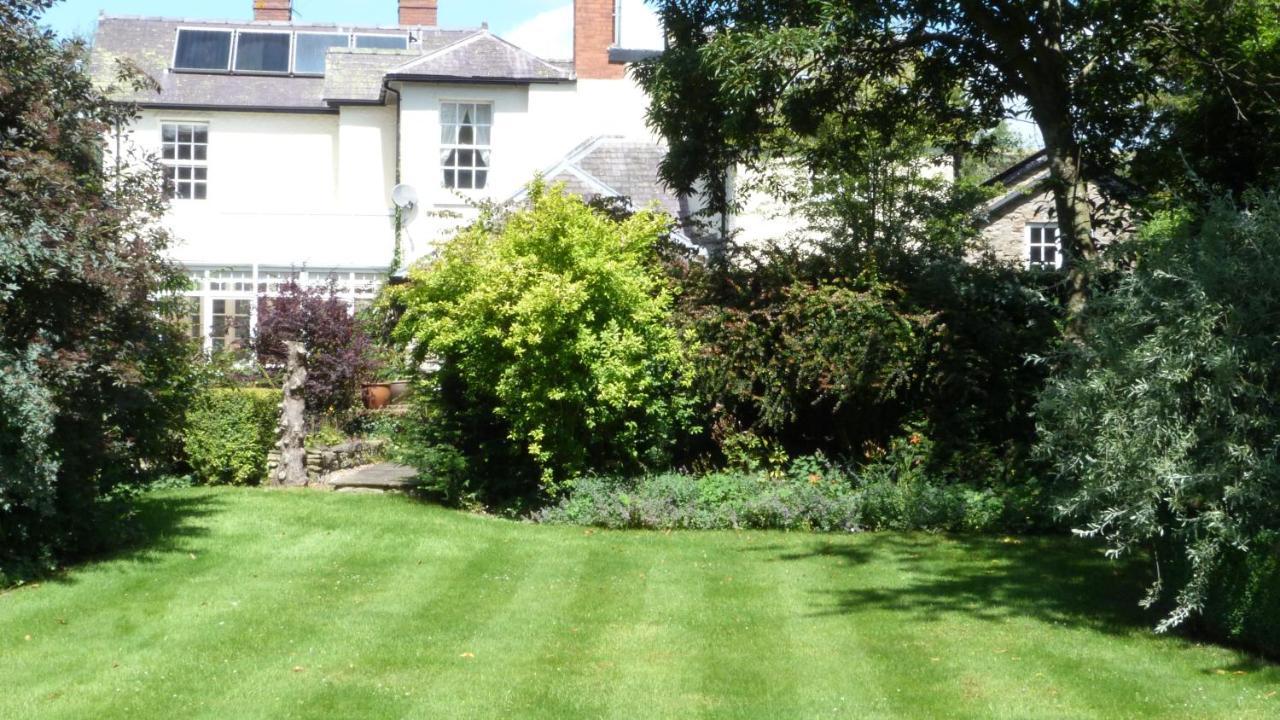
<point>282,189</point>
<point>534,127</point>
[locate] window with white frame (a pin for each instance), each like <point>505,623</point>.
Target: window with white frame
<point>231,321</point>
<point>184,153</point>
<point>1044,247</point>
<point>192,318</point>
<point>270,282</point>
<point>231,280</point>
<point>465,134</point>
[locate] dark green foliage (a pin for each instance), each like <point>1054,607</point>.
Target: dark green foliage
<point>1244,606</point>
<point>1219,105</point>
<point>1166,418</point>
<point>229,433</point>
<point>93,382</point>
<point>823,352</point>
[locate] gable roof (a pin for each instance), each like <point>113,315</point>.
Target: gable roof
<point>1022,179</point>
<point>482,57</point>
<point>614,167</point>
<point>351,75</point>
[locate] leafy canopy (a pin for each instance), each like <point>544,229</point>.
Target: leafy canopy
<point>92,378</point>
<point>1167,416</point>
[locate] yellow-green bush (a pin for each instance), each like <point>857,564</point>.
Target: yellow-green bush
<point>229,433</point>
<point>559,352</point>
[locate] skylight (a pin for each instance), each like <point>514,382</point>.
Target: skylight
<point>203,50</point>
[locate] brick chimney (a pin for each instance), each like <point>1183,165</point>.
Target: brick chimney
<point>272,10</point>
<point>594,27</point>
<point>419,12</point>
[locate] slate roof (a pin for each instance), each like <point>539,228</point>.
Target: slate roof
<point>351,75</point>
<point>610,166</point>
<point>356,76</point>
<point>482,57</point>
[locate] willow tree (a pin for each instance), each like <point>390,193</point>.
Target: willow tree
<point>744,79</point>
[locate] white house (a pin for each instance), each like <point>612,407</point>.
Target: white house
<point>283,141</point>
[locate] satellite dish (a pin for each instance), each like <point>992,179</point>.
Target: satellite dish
<point>404,197</point>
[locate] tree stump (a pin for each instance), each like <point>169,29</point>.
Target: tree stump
<point>293,430</point>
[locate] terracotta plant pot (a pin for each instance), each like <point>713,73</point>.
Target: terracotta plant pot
<point>399,388</point>
<point>375,395</point>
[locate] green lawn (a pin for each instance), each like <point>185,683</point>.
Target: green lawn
<point>258,604</point>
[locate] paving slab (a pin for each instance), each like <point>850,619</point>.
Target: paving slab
<point>379,476</point>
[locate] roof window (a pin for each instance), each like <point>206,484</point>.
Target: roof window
<point>203,50</point>
<point>382,42</point>
<point>269,51</point>
<point>262,52</point>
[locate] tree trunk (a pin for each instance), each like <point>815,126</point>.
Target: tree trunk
<point>293,430</point>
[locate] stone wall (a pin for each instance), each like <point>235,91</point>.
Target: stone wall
<point>322,461</point>
<point>1005,234</point>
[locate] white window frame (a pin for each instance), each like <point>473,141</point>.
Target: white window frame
<point>456,147</point>
<point>231,54</point>
<point>356,287</point>
<point>293,52</point>
<point>191,162</point>
<point>235,52</point>
<point>1028,244</point>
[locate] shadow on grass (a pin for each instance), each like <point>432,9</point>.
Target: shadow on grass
<point>928,577</point>
<point>153,525</point>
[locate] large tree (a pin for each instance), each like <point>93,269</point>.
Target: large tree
<point>743,78</point>
<point>91,389</point>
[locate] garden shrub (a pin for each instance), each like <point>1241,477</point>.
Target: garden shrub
<point>1166,415</point>
<point>1244,605</point>
<point>809,494</point>
<point>559,355</point>
<point>93,380</point>
<point>229,433</point>
<point>835,352</point>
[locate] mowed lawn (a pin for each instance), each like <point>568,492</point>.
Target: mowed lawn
<point>260,604</point>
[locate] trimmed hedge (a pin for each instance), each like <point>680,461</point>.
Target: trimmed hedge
<point>229,433</point>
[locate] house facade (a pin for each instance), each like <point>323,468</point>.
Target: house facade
<point>1020,225</point>
<point>282,142</point>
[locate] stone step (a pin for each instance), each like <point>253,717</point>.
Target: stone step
<point>379,476</point>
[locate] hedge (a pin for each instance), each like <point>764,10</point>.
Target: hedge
<point>1243,605</point>
<point>229,433</point>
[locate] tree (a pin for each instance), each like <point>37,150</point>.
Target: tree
<point>744,80</point>
<point>337,349</point>
<point>92,377</point>
<point>1219,100</point>
<point>1166,416</point>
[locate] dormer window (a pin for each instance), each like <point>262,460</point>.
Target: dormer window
<point>266,52</point>
<point>203,50</point>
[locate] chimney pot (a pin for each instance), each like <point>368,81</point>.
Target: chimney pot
<point>264,10</point>
<point>419,12</point>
